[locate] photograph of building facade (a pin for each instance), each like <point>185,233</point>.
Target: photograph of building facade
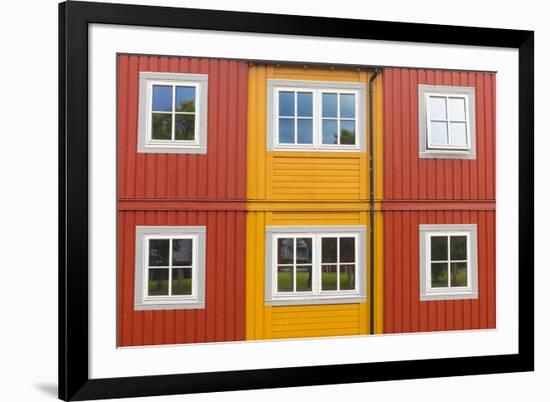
<point>267,200</point>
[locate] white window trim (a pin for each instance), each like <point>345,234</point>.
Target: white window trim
<point>145,142</point>
<point>194,301</point>
<point>424,129</point>
<point>427,292</point>
<point>316,295</point>
<point>317,88</point>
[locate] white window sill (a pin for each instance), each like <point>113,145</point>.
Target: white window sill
<point>171,149</point>
<point>448,296</point>
<point>447,154</point>
<point>172,305</point>
<point>295,301</point>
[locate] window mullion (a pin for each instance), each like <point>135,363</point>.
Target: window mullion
<point>173,134</point>
<point>449,262</point>
<point>296,117</point>
<point>337,263</point>
<point>294,267</point>
<point>448,120</point>
<point>338,117</point>
<point>170,267</point>
<point>315,265</point>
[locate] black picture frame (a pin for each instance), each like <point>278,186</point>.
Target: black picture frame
<point>74,18</point>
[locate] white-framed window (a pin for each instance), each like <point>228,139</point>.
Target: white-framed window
<point>314,115</point>
<point>446,122</point>
<point>170,267</point>
<point>315,265</point>
<point>173,113</point>
<point>448,262</point>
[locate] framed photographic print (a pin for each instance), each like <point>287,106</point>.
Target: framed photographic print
<point>258,200</point>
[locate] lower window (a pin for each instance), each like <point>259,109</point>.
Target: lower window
<point>448,262</point>
<point>315,265</point>
<point>170,264</point>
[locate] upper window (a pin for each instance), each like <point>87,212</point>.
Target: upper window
<point>172,115</point>
<point>448,262</point>
<point>315,265</point>
<point>311,115</point>
<point>169,267</point>
<point>446,122</point>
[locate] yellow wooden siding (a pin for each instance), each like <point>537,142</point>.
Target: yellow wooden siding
<point>293,175</point>
<point>266,322</point>
<point>288,188</point>
<point>378,195</point>
<point>316,175</point>
<point>312,321</point>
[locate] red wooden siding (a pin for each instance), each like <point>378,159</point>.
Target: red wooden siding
<point>218,174</point>
<point>406,176</point>
<point>223,317</point>
<point>404,312</point>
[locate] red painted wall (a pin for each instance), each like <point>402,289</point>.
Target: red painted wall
<point>404,312</point>
<point>223,317</point>
<point>187,190</point>
<point>218,174</point>
<point>406,176</point>
<point>464,191</point>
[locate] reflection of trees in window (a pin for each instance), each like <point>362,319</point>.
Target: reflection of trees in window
<point>347,137</point>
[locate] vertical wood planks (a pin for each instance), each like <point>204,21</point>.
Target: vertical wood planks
<point>218,174</point>
<point>408,177</point>
<point>223,317</point>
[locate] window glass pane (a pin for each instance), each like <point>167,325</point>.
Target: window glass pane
<point>438,135</point>
<point>328,249</point>
<point>286,131</point>
<point>458,134</point>
<point>459,274</point>
<point>330,131</point>
<point>347,277</point>
<point>182,252</point>
<point>182,281</point>
<point>185,99</point>
<point>330,102</point>
<point>347,106</point>
<point>437,108</point>
<point>347,132</point>
<point>285,279</point>
<point>440,275</point>
<point>458,248</point>
<point>439,248</point>
<point>457,109</point>
<point>303,278</point>
<point>286,103</point>
<point>162,126</point>
<point>162,98</point>
<point>185,127</point>
<point>328,277</point>
<point>157,284</point>
<point>285,251</point>
<point>159,250</point>
<point>304,251</point>
<point>305,131</point>
<point>305,104</point>
<point>347,249</point>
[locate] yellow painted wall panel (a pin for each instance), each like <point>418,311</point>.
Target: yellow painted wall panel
<point>379,273</point>
<point>271,174</point>
<point>286,188</point>
<point>311,321</point>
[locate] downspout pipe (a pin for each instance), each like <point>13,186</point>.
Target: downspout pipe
<point>371,198</point>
